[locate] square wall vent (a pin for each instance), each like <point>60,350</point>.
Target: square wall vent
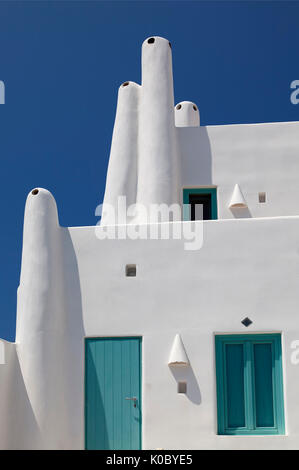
<point>131,270</point>
<point>182,387</point>
<point>262,197</point>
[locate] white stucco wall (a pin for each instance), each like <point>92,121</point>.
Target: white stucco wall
<point>6,386</point>
<point>18,428</point>
<point>258,157</point>
<point>245,268</point>
<point>73,285</point>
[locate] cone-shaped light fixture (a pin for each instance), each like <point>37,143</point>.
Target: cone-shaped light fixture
<point>178,355</point>
<point>237,199</point>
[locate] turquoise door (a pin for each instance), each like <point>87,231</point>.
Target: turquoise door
<point>113,393</point>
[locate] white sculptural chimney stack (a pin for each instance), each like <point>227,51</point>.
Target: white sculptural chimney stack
<point>41,334</point>
<point>144,160</point>
<point>122,168</point>
<point>187,114</point>
<point>158,166</point>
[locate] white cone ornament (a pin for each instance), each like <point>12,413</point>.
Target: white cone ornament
<point>237,199</point>
<point>178,355</point>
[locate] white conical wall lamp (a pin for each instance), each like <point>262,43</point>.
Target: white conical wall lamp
<point>237,199</point>
<point>178,355</point>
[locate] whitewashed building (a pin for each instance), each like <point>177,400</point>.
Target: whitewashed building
<point>130,341</point>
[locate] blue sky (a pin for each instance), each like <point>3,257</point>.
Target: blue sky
<point>62,63</point>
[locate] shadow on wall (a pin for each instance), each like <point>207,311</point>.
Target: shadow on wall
<point>240,212</point>
<point>74,344</point>
<point>196,164</point>
<point>21,430</point>
<point>196,156</point>
<point>186,374</point>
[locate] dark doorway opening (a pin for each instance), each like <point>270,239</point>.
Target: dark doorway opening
<point>201,206</point>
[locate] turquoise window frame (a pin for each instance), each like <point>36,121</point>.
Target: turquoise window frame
<point>188,191</point>
<point>249,390</point>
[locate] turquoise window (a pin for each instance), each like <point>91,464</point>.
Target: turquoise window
<point>207,197</point>
<point>249,384</point>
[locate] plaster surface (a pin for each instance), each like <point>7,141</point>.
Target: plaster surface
<point>73,284</point>
<point>245,268</point>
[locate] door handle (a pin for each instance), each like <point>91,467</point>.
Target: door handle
<point>134,399</point>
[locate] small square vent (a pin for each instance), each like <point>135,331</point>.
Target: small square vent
<point>131,270</point>
<point>262,197</point>
<point>182,387</point>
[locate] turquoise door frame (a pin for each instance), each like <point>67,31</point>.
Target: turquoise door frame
<point>186,206</point>
<point>249,384</point>
<point>113,393</point>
